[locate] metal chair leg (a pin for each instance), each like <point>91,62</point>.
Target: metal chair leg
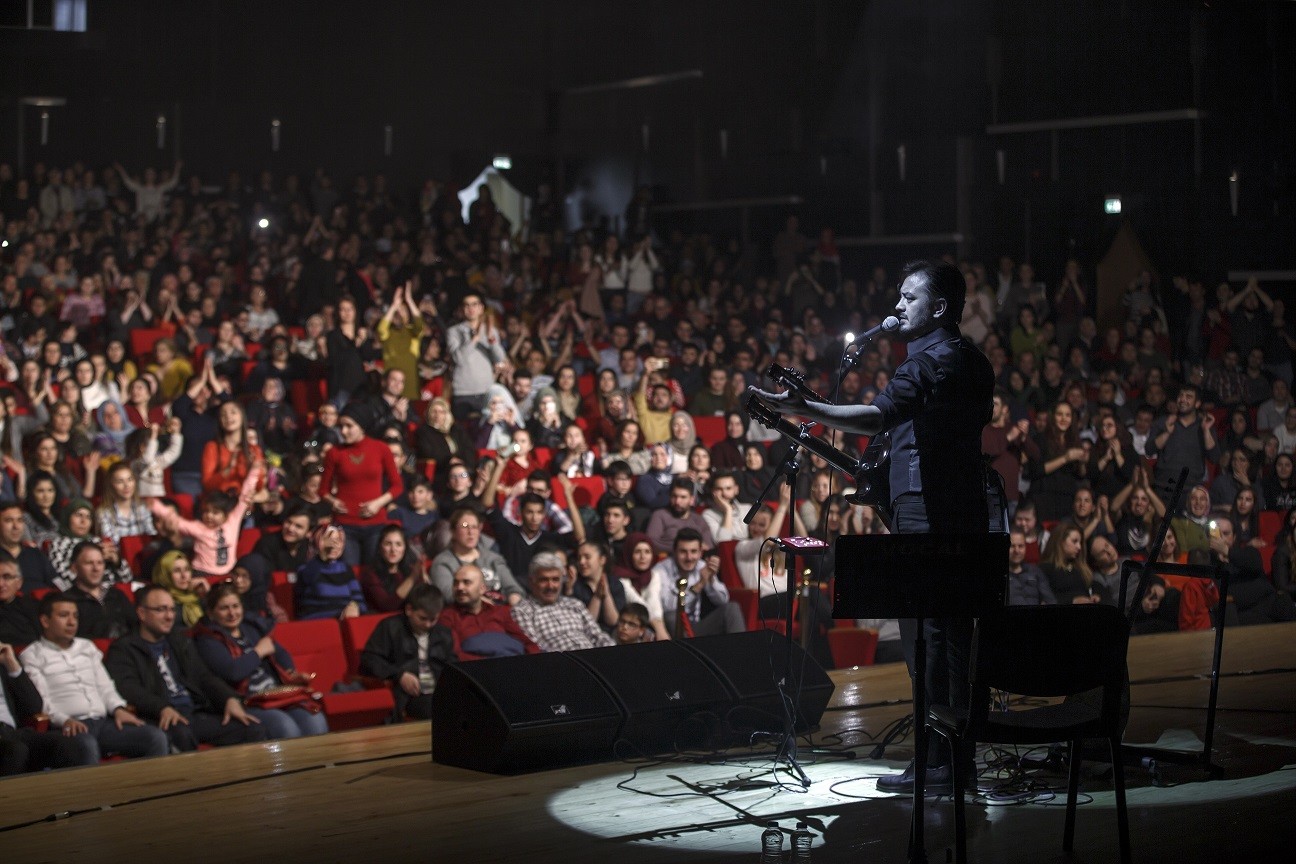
<point>1073,791</point>
<point>960,819</point>
<point>1118,783</point>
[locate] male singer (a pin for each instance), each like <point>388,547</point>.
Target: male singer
<point>935,407</point>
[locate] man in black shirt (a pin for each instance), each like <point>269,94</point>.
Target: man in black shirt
<point>103,611</point>
<point>935,406</point>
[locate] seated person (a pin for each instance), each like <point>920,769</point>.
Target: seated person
<point>76,526</point>
<point>553,621</point>
<point>174,573</point>
<point>388,580</point>
<point>18,619</point>
<point>410,651</point>
<point>23,748</point>
<point>1027,585</point>
<point>239,650</point>
<point>79,695</point>
<point>538,483</point>
<point>677,515</point>
<point>103,611</point>
<point>707,606</point>
<point>288,548</point>
<point>640,580</point>
<point>632,625</point>
<point>419,512</point>
<point>1159,610</point>
<point>33,564</point>
<point>467,546</point>
<point>519,543</point>
<point>613,526</point>
<point>478,627</point>
<point>326,586</point>
<point>620,487</point>
<point>158,670</point>
<point>595,586</point>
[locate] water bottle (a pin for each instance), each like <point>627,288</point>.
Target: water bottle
<point>771,844</point>
<point>801,842</point>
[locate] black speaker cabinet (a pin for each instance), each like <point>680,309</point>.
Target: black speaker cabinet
<point>539,711</point>
<point>512,714</point>
<point>671,699</point>
<point>752,666</point>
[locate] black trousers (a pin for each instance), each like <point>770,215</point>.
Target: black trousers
<point>949,641</point>
<point>207,728</point>
<point>28,750</point>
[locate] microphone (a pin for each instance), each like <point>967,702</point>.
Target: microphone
<point>888,324</point>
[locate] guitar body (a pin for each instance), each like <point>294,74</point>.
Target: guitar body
<point>873,479</point>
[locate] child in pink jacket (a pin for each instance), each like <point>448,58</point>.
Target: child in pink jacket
<point>216,535</point>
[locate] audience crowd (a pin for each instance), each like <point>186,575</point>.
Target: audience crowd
<point>225,406</point>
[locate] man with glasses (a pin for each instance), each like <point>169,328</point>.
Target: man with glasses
<point>459,483</point>
<point>477,352</point>
<point>159,671</point>
<point>77,693</point>
<point>18,624</point>
<point>466,547</point>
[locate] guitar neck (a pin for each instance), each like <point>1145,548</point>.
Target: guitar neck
<point>797,435</point>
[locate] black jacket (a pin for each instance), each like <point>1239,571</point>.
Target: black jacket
<point>19,624</point>
<point>110,619</point>
<point>392,651</point>
<point>21,695</point>
<point>131,665</point>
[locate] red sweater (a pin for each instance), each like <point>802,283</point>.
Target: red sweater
<point>355,473</point>
<point>491,619</point>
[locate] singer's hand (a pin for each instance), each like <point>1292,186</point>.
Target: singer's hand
<point>784,403</point>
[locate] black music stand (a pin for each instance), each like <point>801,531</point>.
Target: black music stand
<point>920,576</point>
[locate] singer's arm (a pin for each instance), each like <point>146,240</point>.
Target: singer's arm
<point>859,419</point>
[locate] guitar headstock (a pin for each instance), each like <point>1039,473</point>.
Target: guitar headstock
<point>760,411</point>
<point>785,377</point>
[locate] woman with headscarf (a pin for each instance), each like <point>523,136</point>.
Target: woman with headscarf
<point>641,584</point>
<point>113,429</point>
<point>77,526</point>
<point>499,420</point>
<point>174,573</point>
<point>727,454</point>
<point>683,435</point>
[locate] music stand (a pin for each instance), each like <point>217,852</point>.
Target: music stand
<point>920,576</point>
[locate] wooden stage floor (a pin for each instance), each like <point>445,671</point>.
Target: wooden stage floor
<point>374,795</point>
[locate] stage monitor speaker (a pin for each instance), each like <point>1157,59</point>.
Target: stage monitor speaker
<point>672,700</point>
<point>507,715</point>
<point>752,667</point>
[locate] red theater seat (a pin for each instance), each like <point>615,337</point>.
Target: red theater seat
<point>316,646</point>
<point>710,430</point>
<point>247,540</point>
<point>281,586</point>
<point>355,633</point>
<point>852,646</point>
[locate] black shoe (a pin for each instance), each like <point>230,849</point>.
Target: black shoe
<point>940,781</point>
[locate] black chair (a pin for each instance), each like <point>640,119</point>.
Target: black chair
<point>1043,651</point>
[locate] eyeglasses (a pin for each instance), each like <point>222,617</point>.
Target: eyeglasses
<point>631,625</point>
<point>470,526</point>
<point>161,610</point>
<point>459,475</point>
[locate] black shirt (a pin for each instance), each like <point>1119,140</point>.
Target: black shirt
<point>935,406</point>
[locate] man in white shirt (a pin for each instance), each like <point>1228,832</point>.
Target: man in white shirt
<point>551,618</point>
<point>706,598</point>
<point>78,695</point>
<point>726,513</point>
<point>1286,433</point>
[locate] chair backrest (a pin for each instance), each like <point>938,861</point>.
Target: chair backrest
<point>248,538</point>
<point>1050,651</point>
<point>355,633</point>
<point>315,646</point>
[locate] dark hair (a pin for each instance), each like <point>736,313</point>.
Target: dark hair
<point>219,592</point>
<point>529,498</point>
<point>83,546</point>
<point>43,521</point>
<point>638,611</point>
<point>297,507</point>
<point>615,503</point>
<point>684,535</point>
<point>538,476</point>
<point>47,602</point>
<point>460,512</point>
<point>222,501</point>
<point>946,282</point>
<point>620,466</point>
<point>683,483</point>
<point>142,595</point>
<point>426,599</point>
